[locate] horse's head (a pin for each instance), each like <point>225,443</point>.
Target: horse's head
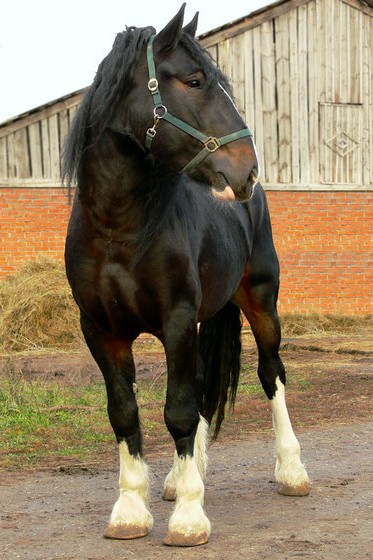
<point>164,93</point>
<point>192,122</point>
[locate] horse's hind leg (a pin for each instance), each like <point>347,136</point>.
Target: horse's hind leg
<point>130,517</point>
<point>188,524</point>
<point>257,297</point>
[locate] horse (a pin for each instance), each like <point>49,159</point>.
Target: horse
<point>170,235</point>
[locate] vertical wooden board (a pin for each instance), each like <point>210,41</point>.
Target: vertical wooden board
<point>325,151</point>
<point>224,56</point>
<point>294,96</point>
<point>213,53</point>
<point>11,158</point>
<point>283,97</point>
<point>71,113</point>
<point>45,149</point>
<point>258,121</point>
<point>336,69</point>
<point>367,98</point>
<point>344,54</point>
<point>328,52</point>
<point>269,102</point>
<point>238,73</point>
<point>249,81</point>
<point>303,96</point>
<point>21,154</point>
<point>3,159</point>
<point>354,171</point>
<point>54,147</point>
<point>355,31</point>
<point>35,150</point>
<point>313,93</point>
<point>63,122</point>
<point>320,52</point>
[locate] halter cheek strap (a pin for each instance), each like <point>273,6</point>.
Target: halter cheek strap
<point>211,143</point>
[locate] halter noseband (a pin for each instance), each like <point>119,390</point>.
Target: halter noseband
<point>211,143</point>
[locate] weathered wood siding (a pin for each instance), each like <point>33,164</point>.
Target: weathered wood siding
<point>30,147</point>
<point>303,82</point>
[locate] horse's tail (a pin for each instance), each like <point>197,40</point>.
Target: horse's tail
<point>220,349</point>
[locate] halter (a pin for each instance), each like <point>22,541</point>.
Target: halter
<point>211,143</point>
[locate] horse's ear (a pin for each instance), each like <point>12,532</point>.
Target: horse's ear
<point>191,28</point>
<point>170,35</point>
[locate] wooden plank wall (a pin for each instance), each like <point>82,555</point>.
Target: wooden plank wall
<point>302,78</point>
<point>303,82</point>
<point>30,148</point>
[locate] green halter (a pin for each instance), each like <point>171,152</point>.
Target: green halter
<point>211,144</point>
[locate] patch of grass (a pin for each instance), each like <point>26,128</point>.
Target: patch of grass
<point>40,419</point>
<point>249,383</point>
<point>47,420</point>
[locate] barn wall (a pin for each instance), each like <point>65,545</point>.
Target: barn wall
<point>302,76</point>
<point>31,147</point>
<point>302,80</point>
<point>323,240</point>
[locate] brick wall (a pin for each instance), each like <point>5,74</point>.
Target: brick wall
<point>33,222</point>
<point>323,239</point>
<point>324,243</point>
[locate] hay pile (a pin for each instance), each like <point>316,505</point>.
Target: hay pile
<point>315,324</point>
<point>37,310</point>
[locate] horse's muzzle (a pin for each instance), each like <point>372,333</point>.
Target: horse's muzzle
<point>222,190</point>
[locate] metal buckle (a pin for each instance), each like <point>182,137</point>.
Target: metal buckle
<point>153,85</point>
<point>151,132</point>
<point>212,144</point>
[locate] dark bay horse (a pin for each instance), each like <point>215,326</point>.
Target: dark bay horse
<point>170,235</point>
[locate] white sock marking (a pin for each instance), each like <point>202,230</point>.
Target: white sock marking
<point>188,517</point>
<point>131,508</point>
<point>200,456</point>
<point>289,469</point>
<point>186,480</point>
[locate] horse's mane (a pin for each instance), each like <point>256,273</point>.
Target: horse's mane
<point>112,82</point>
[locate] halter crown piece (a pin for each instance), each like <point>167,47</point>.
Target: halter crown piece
<point>211,144</point>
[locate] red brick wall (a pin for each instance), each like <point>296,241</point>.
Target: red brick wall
<point>324,243</point>
<point>323,239</point>
<point>33,222</point>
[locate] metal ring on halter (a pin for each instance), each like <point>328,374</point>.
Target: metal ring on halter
<point>161,114</point>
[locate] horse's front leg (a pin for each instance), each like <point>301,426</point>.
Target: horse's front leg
<point>188,525</point>
<point>258,302</point>
<point>130,517</point>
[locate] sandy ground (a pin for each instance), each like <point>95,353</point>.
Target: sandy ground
<point>60,513</point>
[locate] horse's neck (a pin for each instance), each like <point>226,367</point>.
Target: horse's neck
<point>112,173</point>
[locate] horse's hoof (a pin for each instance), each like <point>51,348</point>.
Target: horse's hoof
<point>125,532</point>
<point>287,490</point>
<point>169,494</point>
<point>178,539</point>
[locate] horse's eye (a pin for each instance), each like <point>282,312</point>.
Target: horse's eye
<point>193,83</point>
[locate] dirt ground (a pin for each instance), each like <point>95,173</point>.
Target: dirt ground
<point>60,512</point>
